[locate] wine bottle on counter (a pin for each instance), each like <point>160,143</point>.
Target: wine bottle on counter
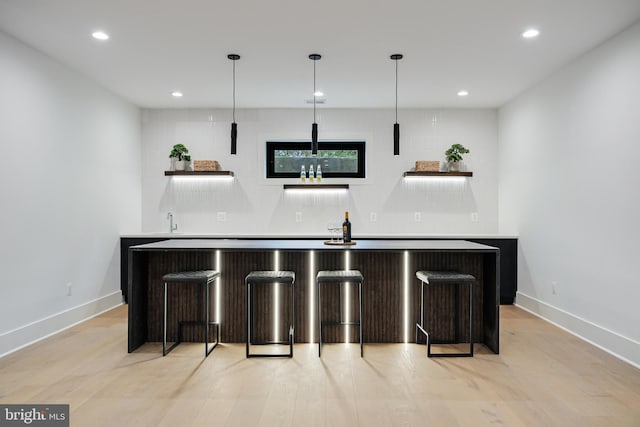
<point>346,228</point>
<point>319,174</point>
<point>312,176</point>
<point>303,174</point>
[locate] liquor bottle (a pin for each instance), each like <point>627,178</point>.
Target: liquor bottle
<point>346,228</point>
<point>311,174</point>
<point>318,174</point>
<point>303,174</point>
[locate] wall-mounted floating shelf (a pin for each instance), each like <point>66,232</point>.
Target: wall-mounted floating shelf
<point>316,186</point>
<point>198,173</point>
<point>442,174</point>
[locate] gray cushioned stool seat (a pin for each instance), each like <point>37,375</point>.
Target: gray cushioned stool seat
<point>454,278</point>
<point>339,277</point>
<point>269,277</point>
<point>200,277</point>
<point>451,277</point>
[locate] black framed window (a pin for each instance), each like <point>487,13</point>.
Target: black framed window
<point>339,159</point>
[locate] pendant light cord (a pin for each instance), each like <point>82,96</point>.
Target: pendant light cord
<point>396,61</point>
<point>234,91</point>
<point>314,91</point>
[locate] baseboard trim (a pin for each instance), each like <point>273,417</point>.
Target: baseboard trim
<point>612,342</point>
<point>33,332</point>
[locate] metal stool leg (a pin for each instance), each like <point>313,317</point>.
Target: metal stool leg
<point>456,317</point>
<point>248,312</point>
<point>164,321</point>
<point>360,322</point>
<point>206,320</point>
<point>207,350</point>
<point>291,327</point>
<point>420,326</point>
<point>319,306</point>
<point>166,350</point>
<point>471,319</point>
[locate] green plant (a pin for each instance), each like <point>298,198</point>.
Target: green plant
<point>178,151</point>
<point>454,154</point>
<point>187,158</point>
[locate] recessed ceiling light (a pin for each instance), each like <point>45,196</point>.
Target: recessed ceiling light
<point>100,35</point>
<point>530,33</point>
<point>318,93</point>
<point>463,93</point>
<point>176,94</point>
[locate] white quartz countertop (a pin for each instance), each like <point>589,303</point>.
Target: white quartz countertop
<point>315,244</point>
<point>166,235</point>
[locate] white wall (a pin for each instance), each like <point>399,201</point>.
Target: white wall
<point>70,184</point>
<point>569,149</point>
<point>255,205</point>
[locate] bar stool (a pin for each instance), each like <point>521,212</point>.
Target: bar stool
<point>446,278</point>
<point>204,278</point>
<point>269,278</point>
<point>339,277</point>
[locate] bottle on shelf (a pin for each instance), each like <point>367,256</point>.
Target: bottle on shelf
<point>346,228</point>
<point>311,174</point>
<point>318,174</point>
<point>303,174</point>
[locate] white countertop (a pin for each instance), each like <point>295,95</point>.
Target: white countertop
<point>316,245</point>
<point>166,235</point>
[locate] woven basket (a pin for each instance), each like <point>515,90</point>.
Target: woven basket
<point>427,166</point>
<point>206,165</point>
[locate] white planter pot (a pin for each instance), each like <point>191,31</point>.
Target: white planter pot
<point>454,166</point>
<point>180,165</point>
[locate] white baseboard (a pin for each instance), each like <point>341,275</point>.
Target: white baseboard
<point>33,332</point>
<point>612,342</point>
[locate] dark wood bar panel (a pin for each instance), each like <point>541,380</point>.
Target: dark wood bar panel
<point>391,292</point>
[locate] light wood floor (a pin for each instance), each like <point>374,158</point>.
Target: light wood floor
<point>543,377</point>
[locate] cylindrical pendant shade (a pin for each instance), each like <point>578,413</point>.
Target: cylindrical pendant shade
<point>396,127</point>
<point>396,139</point>
<point>314,139</point>
<point>234,137</point>
<point>234,127</point>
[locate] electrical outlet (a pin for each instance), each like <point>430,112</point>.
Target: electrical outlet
<point>69,289</point>
<point>221,216</point>
<point>417,216</point>
<point>474,217</point>
<point>298,216</point>
<point>373,217</point>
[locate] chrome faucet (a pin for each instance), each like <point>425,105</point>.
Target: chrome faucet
<point>172,226</point>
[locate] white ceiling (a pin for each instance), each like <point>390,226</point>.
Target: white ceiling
<point>158,46</point>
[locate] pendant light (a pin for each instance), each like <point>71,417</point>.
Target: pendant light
<point>234,126</point>
<point>396,127</point>
<point>314,127</point>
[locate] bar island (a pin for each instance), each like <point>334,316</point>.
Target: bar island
<point>391,296</point>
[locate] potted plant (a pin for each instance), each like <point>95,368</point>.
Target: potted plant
<point>187,162</point>
<point>454,156</point>
<point>177,156</point>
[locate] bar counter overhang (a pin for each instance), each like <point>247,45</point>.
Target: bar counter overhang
<point>391,294</point>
